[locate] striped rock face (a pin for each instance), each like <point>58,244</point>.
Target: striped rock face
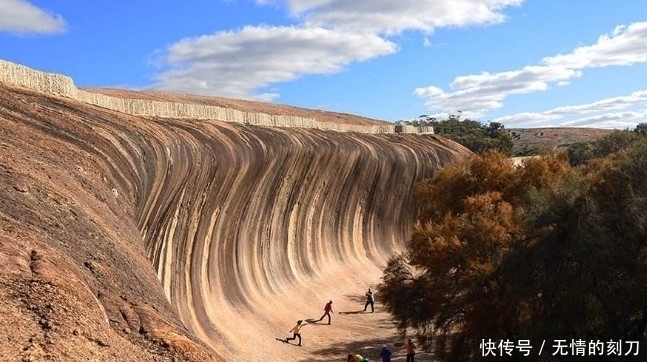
<point>144,238</point>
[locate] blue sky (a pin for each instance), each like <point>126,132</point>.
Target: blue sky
<point>524,63</point>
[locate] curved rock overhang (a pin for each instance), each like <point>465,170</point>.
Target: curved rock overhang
<point>182,231</point>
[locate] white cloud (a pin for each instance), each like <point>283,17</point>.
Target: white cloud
<point>615,112</point>
<point>607,104</point>
<point>21,17</point>
<point>479,93</point>
<point>393,17</point>
<point>235,63</point>
<point>626,45</point>
<point>527,119</point>
<point>330,35</point>
<point>617,120</point>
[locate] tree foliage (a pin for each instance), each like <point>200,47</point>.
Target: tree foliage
<point>581,152</point>
<point>474,135</point>
<point>541,252</point>
<point>641,128</point>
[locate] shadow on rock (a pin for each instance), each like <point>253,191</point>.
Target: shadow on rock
<point>368,348</point>
<point>353,312</point>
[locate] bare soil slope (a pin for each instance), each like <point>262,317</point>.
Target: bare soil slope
<point>137,239</point>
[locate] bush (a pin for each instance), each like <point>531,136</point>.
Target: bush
<point>541,252</point>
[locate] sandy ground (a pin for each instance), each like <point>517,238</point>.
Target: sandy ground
<point>351,331</point>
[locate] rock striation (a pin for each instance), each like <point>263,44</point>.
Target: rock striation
<point>146,238</point>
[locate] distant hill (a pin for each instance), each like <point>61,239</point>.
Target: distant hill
<point>528,139</point>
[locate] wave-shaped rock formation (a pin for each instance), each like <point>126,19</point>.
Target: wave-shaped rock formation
<point>137,238</point>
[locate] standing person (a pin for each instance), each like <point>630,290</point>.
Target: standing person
<point>385,353</point>
<point>370,300</point>
<point>296,332</point>
<point>327,311</point>
<point>410,348</point>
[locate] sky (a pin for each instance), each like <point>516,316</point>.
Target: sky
<point>523,63</point>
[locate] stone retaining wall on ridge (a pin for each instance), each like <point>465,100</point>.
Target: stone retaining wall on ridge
<point>64,86</point>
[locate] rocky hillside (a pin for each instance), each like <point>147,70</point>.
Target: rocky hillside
<point>147,238</point>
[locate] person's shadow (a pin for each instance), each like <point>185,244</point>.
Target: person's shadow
<point>353,312</point>
<point>286,341</point>
<point>318,322</point>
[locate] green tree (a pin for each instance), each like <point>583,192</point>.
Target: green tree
<point>474,135</point>
<point>582,152</point>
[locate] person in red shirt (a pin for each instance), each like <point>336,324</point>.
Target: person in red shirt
<point>327,311</point>
<point>410,349</point>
